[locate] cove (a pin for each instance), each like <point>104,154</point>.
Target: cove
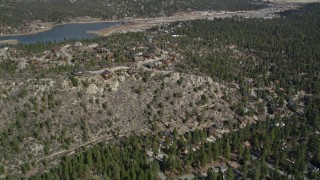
<point>62,32</point>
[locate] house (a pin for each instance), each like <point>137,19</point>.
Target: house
<point>107,74</point>
<point>254,155</point>
<point>150,65</point>
<point>167,61</point>
<point>78,72</point>
<point>312,168</point>
<point>157,63</point>
<point>149,39</point>
<point>218,125</point>
<point>150,55</point>
<point>211,139</point>
<point>223,169</point>
<point>202,175</point>
<point>165,134</point>
<point>281,124</point>
<point>56,50</point>
<point>78,44</point>
<point>12,50</point>
<point>34,62</point>
<point>150,152</point>
<point>233,164</point>
<point>109,56</point>
<point>103,50</point>
<point>187,177</point>
<point>160,156</point>
<point>93,46</point>
<point>138,58</point>
<point>132,71</point>
<point>173,55</point>
<point>231,122</point>
<point>215,169</point>
<point>212,131</point>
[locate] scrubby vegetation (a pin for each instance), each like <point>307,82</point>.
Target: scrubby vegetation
<point>251,85</point>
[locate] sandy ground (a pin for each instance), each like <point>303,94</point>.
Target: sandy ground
<point>10,42</point>
<point>142,24</point>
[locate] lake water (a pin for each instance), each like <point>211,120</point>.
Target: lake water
<point>62,32</point>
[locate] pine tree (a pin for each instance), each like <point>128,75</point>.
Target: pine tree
<point>227,150</point>
<point>229,174</point>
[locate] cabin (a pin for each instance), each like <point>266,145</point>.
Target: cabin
<point>77,44</point>
<point>132,71</point>
<point>103,50</point>
<point>109,56</point>
<point>312,168</point>
<point>218,125</point>
<point>107,74</point>
<point>55,49</point>
<point>150,56</point>
<point>78,72</point>
<point>93,46</point>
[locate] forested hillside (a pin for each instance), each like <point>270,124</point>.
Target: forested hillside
<point>234,98</point>
<point>286,50</point>
<point>16,12</point>
<point>261,150</point>
<point>286,54</point>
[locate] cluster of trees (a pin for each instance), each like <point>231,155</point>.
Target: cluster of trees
<point>286,144</point>
<point>7,66</point>
<point>282,50</point>
<point>124,160</point>
<point>17,12</point>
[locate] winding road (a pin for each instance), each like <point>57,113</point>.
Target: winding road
<point>140,64</point>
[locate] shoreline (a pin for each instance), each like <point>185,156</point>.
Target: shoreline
<point>133,25</point>
<point>140,24</point>
<point>9,42</point>
<point>53,25</point>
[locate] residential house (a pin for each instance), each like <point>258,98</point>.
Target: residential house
<point>150,152</point>
<point>93,46</point>
<point>218,125</point>
<point>78,72</point>
<point>150,55</point>
<point>312,168</point>
<point>132,71</point>
<point>78,44</point>
<point>56,50</point>
<point>107,74</point>
<point>211,139</point>
<point>223,169</point>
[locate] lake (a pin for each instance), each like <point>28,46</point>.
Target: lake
<point>62,32</point>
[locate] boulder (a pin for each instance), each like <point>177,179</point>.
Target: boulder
<point>93,89</point>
